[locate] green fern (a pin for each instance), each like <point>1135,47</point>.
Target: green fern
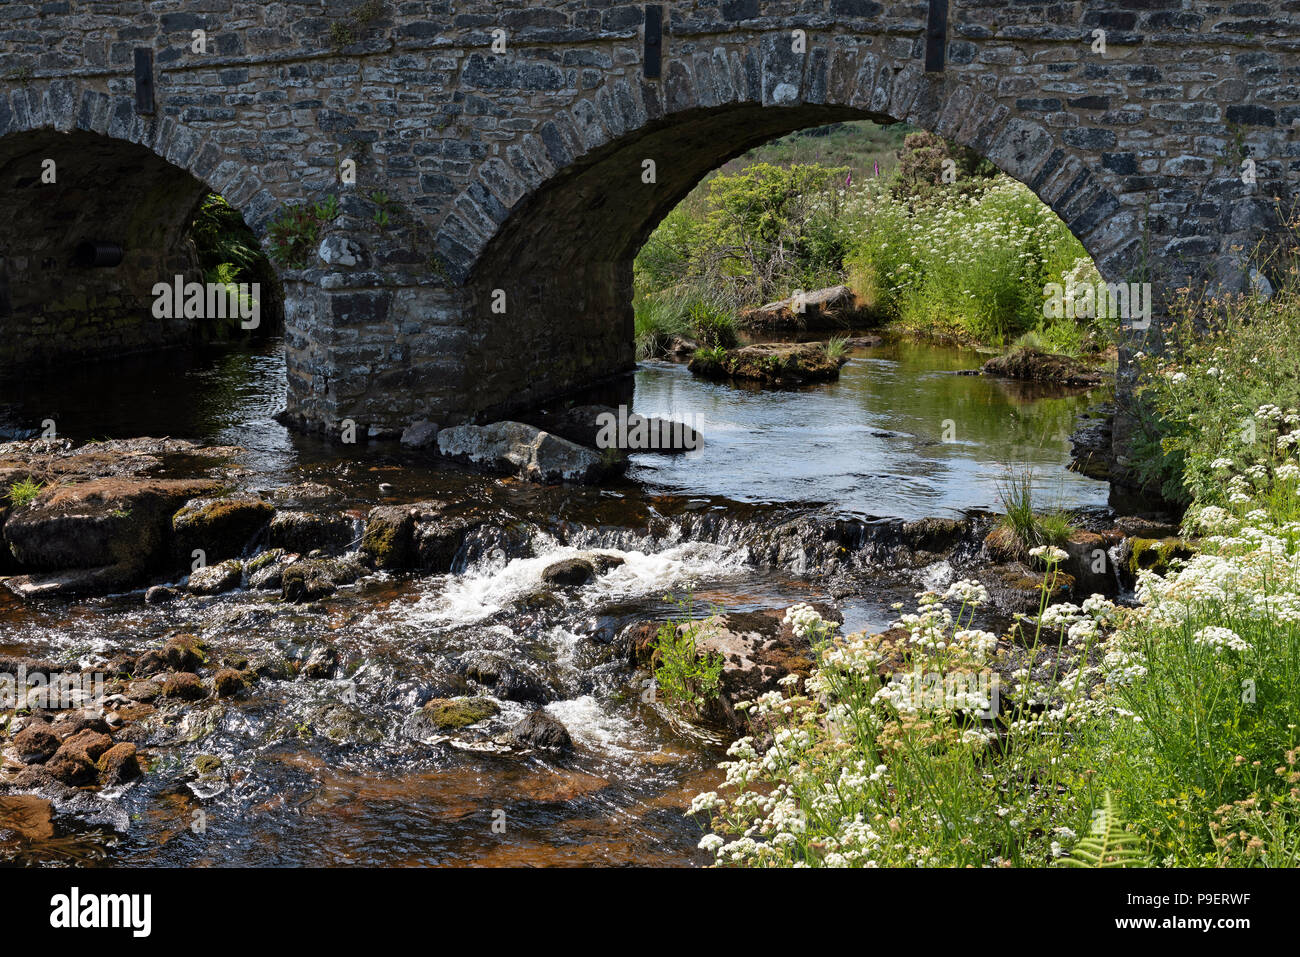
<point>1109,845</point>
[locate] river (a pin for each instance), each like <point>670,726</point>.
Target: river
<point>334,772</point>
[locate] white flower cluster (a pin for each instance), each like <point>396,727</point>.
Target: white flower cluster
<point>1220,639</point>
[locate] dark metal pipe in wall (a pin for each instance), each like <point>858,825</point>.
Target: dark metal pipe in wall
<point>95,254</point>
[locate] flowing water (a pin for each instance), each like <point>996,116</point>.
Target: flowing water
<point>338,772</point>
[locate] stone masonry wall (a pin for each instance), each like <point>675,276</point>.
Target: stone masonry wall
<point>482,172</point>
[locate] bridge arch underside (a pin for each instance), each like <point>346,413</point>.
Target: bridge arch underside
<point>56,307</point>
<point>564,255</point>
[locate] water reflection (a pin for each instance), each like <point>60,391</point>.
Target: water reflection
<point>900,435</point>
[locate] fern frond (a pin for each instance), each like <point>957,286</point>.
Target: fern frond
<point>1109,844</point>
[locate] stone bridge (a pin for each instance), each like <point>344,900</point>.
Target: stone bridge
<point>490,160</point>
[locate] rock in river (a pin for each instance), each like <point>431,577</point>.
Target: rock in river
<point>523,450</point>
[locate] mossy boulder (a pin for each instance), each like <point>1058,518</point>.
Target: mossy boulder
<point>1014,587</point>
<point>215,579</point>
<point>451,713</point>
<point>305,532</point>
<point>1032,365</point>
<point>222,527</point>
<point>317,578</point>
<point>206,764</point>
<point>391,538</point>
<point>118,764</point>
<point>122,523</point>
<point>229,682</point>
<point>1002,544</point>
<point>1155,554</point>
<point>183,652</point>
<point>770,363</point>
<point>184,686</point>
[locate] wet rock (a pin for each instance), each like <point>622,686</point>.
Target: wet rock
<point>102,523</point>
<point>69,723</point>
<point>1015,588</point>
<point>74,582</point>
<point>35,744</point>
<point>304,494</point>
<point>420,435</point>
<point>71,769</point>
<point>389,540</point>
<point>317,578</point>
<point>222,528</point>
<point>569,572</point>
<point>1030,364</point>
<point>304,532</point>
<point>268,577</point>
<point>27,815</point>
<point>1091,443</point>
<point>272,665</point>
<point>438,542</point>
<point>522,450</point>
<point>118,765</point>
<point>87,745</point>
<point>215,579</point>
<point>771,363</point>
<point>228,682</point>
<point>606,428</point>
<point>323,662</point>
<point>1090,564</point>
<point>450,713</point>
<point>493,669</point>
<point>935,535</point>
<point>1153,554</point>
<point>159,594</point>
<point>184,652</point>
<point>836,307</point>
<point>757,648</point>
<point>145,691</point>
<point>1136,526</point>
<point>346,724</point>
<point>540,730</point>
<point>184,686</point>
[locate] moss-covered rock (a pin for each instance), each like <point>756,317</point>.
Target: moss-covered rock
<point>182,652</point>
<point>317,578</point>
<point>1155,554</point>
<point>451,713</point>
<point>1030,364</point>
<point>215,579</point>
<point>207,764</point>
<point>304,532</point>
<point>770,363</point>
<point>222,527</point>
<point>228,682</point>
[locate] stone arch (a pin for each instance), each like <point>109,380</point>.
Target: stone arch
<point>121,178</point>
<point>557,220</point>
